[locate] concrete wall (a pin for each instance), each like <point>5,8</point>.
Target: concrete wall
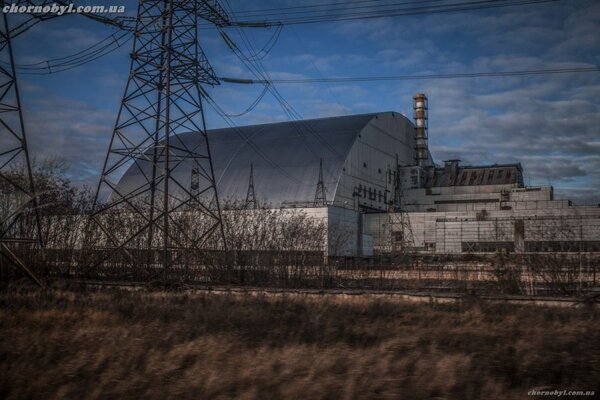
<point>482,197</point>
<point>343,230</point>
<point>368,170</point>
<point>344,237</point>
<point>518,229</point>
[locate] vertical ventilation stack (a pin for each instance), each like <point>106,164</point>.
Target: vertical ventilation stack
<point>420,115</point>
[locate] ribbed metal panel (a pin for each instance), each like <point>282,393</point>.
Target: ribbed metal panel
<point>285,156</point>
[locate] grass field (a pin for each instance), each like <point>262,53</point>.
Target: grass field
<point>115,344</point>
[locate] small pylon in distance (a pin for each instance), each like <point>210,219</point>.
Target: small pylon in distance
<point>251,203</point>
<point>320,194</point>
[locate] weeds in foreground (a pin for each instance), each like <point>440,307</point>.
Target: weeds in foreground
<point>153,344</point>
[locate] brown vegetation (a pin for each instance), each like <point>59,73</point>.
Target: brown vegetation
<point>70,343</point>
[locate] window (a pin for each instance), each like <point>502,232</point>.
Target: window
<point>372,194</point>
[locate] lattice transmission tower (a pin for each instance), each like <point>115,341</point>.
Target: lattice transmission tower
<point>17,187</point>
<point>251,202</point>
<point>320,193</point>
<point>163,98</point>
<point>400,229</point>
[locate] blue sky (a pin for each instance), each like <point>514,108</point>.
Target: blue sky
<point>549,123</point>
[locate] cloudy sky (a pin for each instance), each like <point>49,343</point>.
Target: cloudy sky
<point>549,123</point>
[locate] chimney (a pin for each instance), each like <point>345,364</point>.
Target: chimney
<point>420,115</point>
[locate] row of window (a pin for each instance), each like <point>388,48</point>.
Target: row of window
<point>490,177</point>
<point>532,246</point>
<point>488,247</point>
<point>562,246</point>
<point>370,193</point>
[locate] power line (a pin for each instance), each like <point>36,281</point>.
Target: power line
<point>423,77</point>
<point>333,7</point>
<point>269,45</point>
<point>259,71</point>
<point>251,107</point>
<point>383,11</point>
<point>315,66</point>
<point>247,139</point>
<point>82,57</point>
<point>262,11</point>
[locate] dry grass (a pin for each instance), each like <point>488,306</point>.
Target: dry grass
<point>117,344</point>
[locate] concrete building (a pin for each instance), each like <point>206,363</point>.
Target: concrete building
<point>488,218</point>
<point>382,185</point>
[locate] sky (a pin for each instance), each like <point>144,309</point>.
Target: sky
<point>548,123</point>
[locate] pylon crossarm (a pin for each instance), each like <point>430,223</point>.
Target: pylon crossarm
<point>211,11</point>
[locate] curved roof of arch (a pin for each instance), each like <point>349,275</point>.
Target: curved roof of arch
<point>285,157</point>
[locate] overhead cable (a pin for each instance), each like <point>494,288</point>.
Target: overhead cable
<point>379,11</point>
<point>572,70</point>
<point>82,57</point>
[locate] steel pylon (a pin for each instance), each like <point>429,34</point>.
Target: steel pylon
<point>163,98</point>
<point>401,239</point>
<point>17,187</point>
<point>251,202</point>
<point>320,193</point>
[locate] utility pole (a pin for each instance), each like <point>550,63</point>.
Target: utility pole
<point>320,194</point>
<point>163,98</point>
<point>250,195</point>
